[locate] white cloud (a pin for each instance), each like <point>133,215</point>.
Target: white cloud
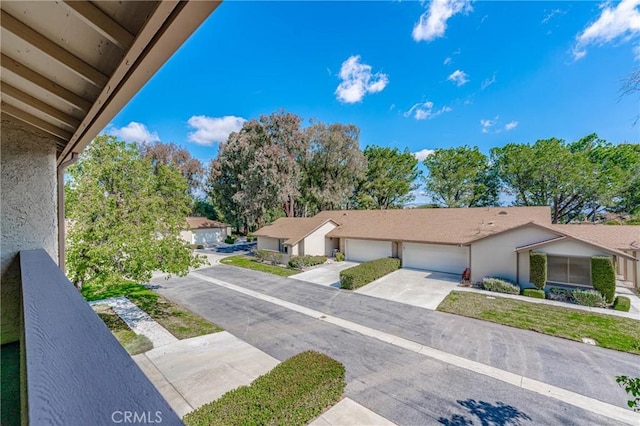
<point>488,124</point>
<point>424,110</point>
<point>358,80</point>
<point>617,21</point>
<point>423,153</point>
<point>458,77</point>
<point>134,132</point>
<point>551,14</point>
<point>488,82</point>
<point>433,23</point>
<point>510,126</point>
<point>447,60</point>
<point>213,129</point>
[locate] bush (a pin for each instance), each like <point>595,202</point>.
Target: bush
<point>500,285</point>
<point>138,345</point>
<point>293,393</point>
<point>230,239</point>
<point>268,256</point>
<point>196,246</point>
<point>603,277</point>
<point>340,257</point>
<point>367,272</point>
<point>533,292</point>
<point>538,269</point>
<point>301,262</point>
<point>622,303</point>
<point>560,294</point>
<point>588,298</point>
<point>251,238</point>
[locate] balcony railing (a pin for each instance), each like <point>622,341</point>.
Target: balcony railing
<point>77,373</point>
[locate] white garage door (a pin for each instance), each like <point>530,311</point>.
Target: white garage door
<point>207,237</point>
<point>363,250</point>
<point>435,257</point>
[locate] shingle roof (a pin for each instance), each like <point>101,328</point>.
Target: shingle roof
<point>204,223</point>
<point>291,229</point>
<point>443,226</point>
<point>621,237</point>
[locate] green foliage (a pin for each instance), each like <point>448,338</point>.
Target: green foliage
<point>340,257</point>
<point>252,263</point>
<point>301,262</point>
<point>176,157</point>
<point>364,273</point>
<point>603,276</point>
<point>500,285</point>
<point>196,246</point>
<point>538,269</point>
<point>125,216</point>
<point>293,393</point>
<point>230,239</point>
<point>560,294</point>
<point>460,177</point>
<point>268,256</point>
<point>622,303</point>
<point>632,387</point>
<point>588,298</point>
<point>138,345</point>
<point>533,292</point>
<point>389,179</point>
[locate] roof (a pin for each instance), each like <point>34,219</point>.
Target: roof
<point>204,223</point>
<point>621,237</point>
<point>438,225</point>
<point>69,67</point>
<point>292,229</point>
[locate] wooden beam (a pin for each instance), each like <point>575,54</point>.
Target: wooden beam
<point>102,23</point>
<point>51,49</point>
<point>35,121</point>
<point>46,84</point>
<point>43,107</point>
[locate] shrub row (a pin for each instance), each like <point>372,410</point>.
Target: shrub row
<point>589,298</point>
<point>533,292</point>
<point>269,256</point>
<point>538,269</point>
<point>603,277</point>
<point>622,303</point>
<point>293,393</point>
<point>301,262</point>
<point>500,285</point>
<point>367,272</point>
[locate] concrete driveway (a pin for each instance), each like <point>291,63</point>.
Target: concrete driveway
<point>327,275</point>
<point>414,287</point>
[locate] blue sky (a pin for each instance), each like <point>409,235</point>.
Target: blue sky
<point>419,75</point>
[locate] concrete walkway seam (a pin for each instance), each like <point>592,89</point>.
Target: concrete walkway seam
<point>581,401</point>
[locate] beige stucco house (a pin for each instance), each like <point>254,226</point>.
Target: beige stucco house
<point>492,241</point>
<point>200,230</point>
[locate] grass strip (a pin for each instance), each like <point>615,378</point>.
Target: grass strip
<point>293,393</point>
<point>621,334</point>
<point>250,262</point>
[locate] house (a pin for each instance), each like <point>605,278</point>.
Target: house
<point>67,69</point>
<point>494,241</point>
<point>298,236</point>
<point>206,232</point>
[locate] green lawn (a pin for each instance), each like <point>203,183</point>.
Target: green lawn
<point>622,334</point>
<point>180,322</point>
<point>250,262</point>
<point>127,338</point>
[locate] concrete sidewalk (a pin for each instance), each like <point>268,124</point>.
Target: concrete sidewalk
<point>327,275</point>
<point>348,412</point>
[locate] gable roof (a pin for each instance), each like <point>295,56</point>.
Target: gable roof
<point>204,223</point>
<point>621,237</point>
<point>440,226</point>
<point>292,229</point>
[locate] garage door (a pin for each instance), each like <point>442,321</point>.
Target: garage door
<point>435,257</point>
<point>363,250</point>
<point>207,237</point>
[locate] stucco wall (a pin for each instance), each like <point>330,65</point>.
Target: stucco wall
<point>266,243</point>
<point>315,243</point>
<point>496,256</point>
<point>28,213</point>
<point>187,236</point>
<point>572,248</point>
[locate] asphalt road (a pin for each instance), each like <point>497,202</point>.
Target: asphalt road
<point>403,386</point>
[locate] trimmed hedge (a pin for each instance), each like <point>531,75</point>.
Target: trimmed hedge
<point>230,239</point>
<point>364,273</point>
<point>622,303</point>
<point>533,292</point>
<point>500,285</point>
<point>589,298</point>
<point>340,257</point>
<point>301,262</point>
<point>603,277</point>
<point>293,393</point>
<point>269,256</point>
<point>538,269</point>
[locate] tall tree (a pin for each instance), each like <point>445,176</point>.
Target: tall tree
<point>125,220</point>
<point>177,157</point>
<point>331,168</point>
<point>389,179</point>
<point>460,177</point>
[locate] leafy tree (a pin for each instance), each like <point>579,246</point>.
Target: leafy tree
<point>389,179</point>
<point>630,86</point>
<point>125,220</point>
<point>201,207</point>
<point>631,385</point>
<point>177,157</point>
<point>460,177</point>
<point>331,168</point>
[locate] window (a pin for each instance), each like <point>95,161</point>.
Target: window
<point>569,270</point>
<point>282,248</point>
